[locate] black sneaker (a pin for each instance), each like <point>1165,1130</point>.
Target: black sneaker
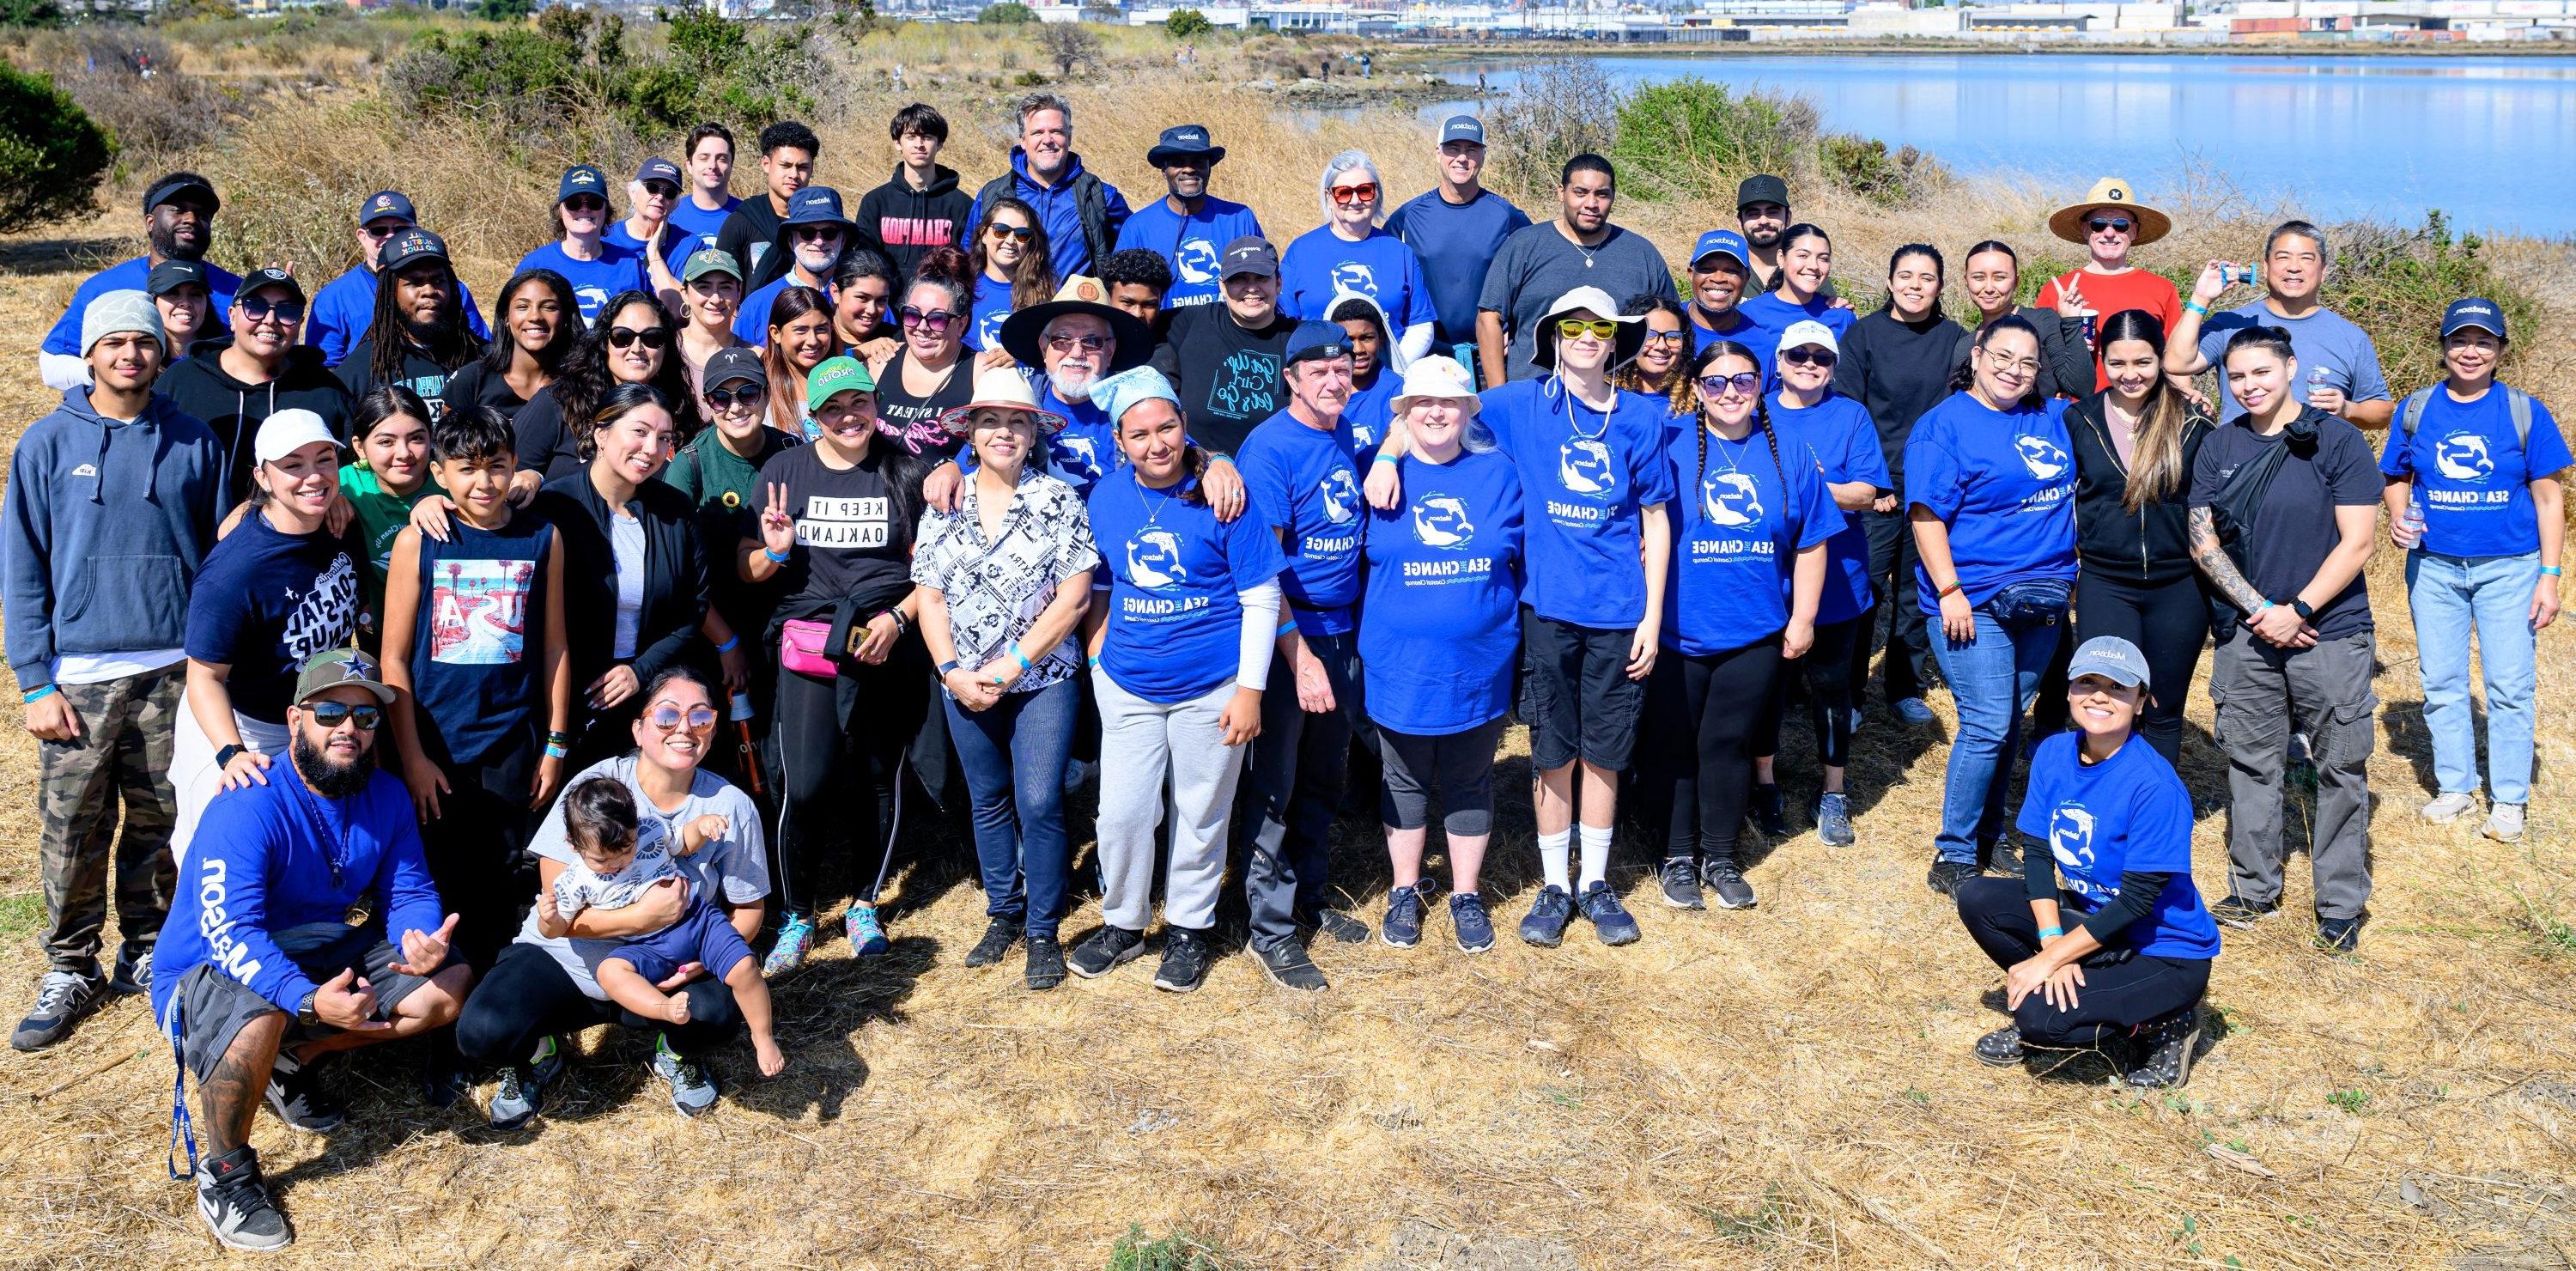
<point>1610,919</point>
<point>1545,925</point>
<point>296,1095</point>
<point>2000,857</point>
<point>1722,877</point>
<point>999,935</point>
<point>133,975</point>
<point>1285,963</point>
<point>1341,926</point>
<point>1105,951</point>
<point>1185,961</point>
<point>2237,911</point>
<point>2000,1048</point>
<point>1946,876</point>
<point>1046,963</point>
<point>2339,935</point>
<point>62,998</point>
<point>2167,1044</point>
<point>235,1203</point>
<point>1681,883</point>
<point>1770,811</point>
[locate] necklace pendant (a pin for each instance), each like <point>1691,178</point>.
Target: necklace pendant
<point>1587,262</point>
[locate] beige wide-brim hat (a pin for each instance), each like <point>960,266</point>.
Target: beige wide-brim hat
<point>1439,377</point>
<point>1000,388</point>
<point>2068,222</point>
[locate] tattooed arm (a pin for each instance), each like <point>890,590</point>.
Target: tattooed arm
<point>2277,623</point>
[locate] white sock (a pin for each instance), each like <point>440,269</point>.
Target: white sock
<point>1552,851</point>
<point>1596,854</point>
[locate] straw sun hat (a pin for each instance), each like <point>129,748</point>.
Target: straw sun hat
<point>1000,388</point>
<point>2113,192</point>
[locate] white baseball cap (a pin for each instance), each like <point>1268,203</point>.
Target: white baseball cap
<point>288,431</point>
<point>1809,331</point>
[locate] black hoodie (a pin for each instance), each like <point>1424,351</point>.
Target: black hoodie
<point>2151,545</point>
<point>198,385</point>
<point>909,222</point>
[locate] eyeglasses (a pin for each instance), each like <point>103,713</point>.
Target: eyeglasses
<point>2100,223</point>
<point>334,714</point>
<point>1808,357</point>
<point>723,400</point>
<point>1016,233</point>
<point>668,717</point>
<point>653,337</point>
<point>1745,384</point>
<point>1664,337</point>
<point>816,233</point>
<point>1086,343</point>
<point>933,320</point>
<point>261,310</point>
<point>1352,195</point>
<point>586,203</point>
<point>1597,328</point>
<point>2027,366</point>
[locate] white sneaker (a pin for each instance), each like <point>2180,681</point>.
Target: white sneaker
<point>2452,807</point>
<point>2504,823</point>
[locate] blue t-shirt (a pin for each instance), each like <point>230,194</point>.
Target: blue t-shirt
<point>480,594</point>
<point>1736,537</point>
<point>2332,353</point>
<point>1189,244</point>
<point>264,602</point>
<point>1455,244</point>
<point>340,313</point>
<point>2128,812</point>
<point>1380,267</point>
<point>700,223</point>
<point>1775,315</point>
<point>992,308</point>
<point>1085,449</point>
<point>1585,475</point>
<point>2473,475</point>
<point>619,268</point>
<point>1366,415</point>
<point>1441,626</point>
<point>751,319</point>
<point>1764,342</point>
<point>130,275</point>
<point>1175,571</point>
<point>2004,482</point>
<point>1838,435</point>
<point>1300,480</point>
<point>674,248</point>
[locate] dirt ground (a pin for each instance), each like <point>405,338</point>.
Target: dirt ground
<point>1786,1085</point>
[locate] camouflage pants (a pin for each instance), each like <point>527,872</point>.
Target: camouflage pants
<point>121,756</point>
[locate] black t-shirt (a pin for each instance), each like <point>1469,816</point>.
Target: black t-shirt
<point>1227,376</point>
<point>539,437</point>
<point>2294,529</point>
<point>357,371</point>
<point>264,602</point>
<point>913,422</point>
<point>472,385</point>
<point>853,537</point>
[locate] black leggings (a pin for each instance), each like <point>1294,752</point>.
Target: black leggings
<point>1707,707</point>
<point>1827,671</point>
<point>2116,997</point>
<point>1460,766</point>
<point>835,739</point>
<point>528,995</point>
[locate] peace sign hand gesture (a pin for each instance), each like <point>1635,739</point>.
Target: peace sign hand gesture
<point>777,529</point>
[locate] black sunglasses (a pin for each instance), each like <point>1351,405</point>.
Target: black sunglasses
<point>1012,232</point>
<point>2101,223</point>
<point>749,395</point>
<point>262,310</point>
<point>816,233</point>
<point>1807,357</point>
<point>334,714</point>
<point>653,337</point>
<point>586,203</point>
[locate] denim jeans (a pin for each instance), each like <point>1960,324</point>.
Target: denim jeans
<point>1991,680</point>
<point>2449,596</point>
<point>1013,752</point>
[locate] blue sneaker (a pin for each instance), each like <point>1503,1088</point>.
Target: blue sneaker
<point>795,944</point>
<point>693,1088</point>
<point>1833,820</point>
<point>1475,927</point>
<point>1609,918</point>
<point>1914,712</point>
<point>1403,926</point>
<point>523,1086</point>
<point>867,939</point>
<point>1545,926</point>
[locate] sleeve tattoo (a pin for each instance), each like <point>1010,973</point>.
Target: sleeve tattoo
<point>2215,565</point>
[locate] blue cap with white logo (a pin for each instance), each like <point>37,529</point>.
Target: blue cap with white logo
<point>2110,657</point>
<point>2473,311</point>
<point>384,204</point>
<point>815,205</point>
<point>1721,242</point>
<point>659,170</point>
<point>1462,128</point>
<point>581,178</point>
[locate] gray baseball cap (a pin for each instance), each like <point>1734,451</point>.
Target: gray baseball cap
<point>2110,657</point>
<point>1462,128</point>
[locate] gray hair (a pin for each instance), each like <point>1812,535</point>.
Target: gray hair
<point>1344,162</point>
<point>2300,229</point>
<point>1032,104</point>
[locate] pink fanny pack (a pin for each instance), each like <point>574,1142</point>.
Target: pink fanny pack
<point>803,648</point>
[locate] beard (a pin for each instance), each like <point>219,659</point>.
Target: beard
<point>328,779</point>
<point>1072,385</point>
<point>166,245</point>
<point>1766,239</point>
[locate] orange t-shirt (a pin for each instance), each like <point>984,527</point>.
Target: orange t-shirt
<point>2107,294</point>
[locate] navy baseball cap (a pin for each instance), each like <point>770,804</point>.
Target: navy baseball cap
<point>2473,311</point>
<point>1250,254</point>
<point>1315,341</point>
<point>1761,187</point>
<point>1721,242</point>
<point>1462,128</point>
<point>385,203</point>
<point>581,178</point>
<point>2110,657</point>
<point>170,275</point>
<point>410,245</point>
<point>660,170</point>
<point>270,277</point>
<point>176,184</point>
<point>816,205</point>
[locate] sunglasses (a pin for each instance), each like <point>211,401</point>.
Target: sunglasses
<point>1808,357</point>
<point>1664,337</point>
<point>1016,233</point>
<point>668,717</point>
<point>723,399</point>
<point>334,714</point>
<point>382,231</point>
<point>1597,328</point>
<point>1349,195</point>
<point>652,337</point>
<point>1086,343</point>
<point>586,203</point>
<point>662,189</point>
<point>933,320</point>
<point>262,310</point>
<point>816,233</point>
<point>1745,384</point>
<point>2101,223</point>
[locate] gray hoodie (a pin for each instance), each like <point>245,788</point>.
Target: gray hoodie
<point>101,532</point>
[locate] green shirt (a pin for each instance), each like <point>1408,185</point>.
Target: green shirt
<point>381,517</point>
<point>725,489</point>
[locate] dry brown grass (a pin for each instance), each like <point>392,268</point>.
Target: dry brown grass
<point>1788,1085</point>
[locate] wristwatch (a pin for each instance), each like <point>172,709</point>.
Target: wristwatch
<point>304,1012</point>
<point>224,757</point>
<point>2302,608</point>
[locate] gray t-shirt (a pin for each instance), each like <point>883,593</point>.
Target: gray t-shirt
<point>2332,353</point>
<point>733,870</point>
<point>1538,263</point>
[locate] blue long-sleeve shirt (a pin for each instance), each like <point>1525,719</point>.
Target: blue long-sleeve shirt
<point>345,307</point>
<point>1059,210</point>
<point>130,275</point>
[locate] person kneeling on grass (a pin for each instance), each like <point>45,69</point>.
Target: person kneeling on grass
<point>2117,825</point>
<point>307,924</point>
<point>620,856</point>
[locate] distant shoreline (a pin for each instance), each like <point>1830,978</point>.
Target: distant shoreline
<point>1449,52</point>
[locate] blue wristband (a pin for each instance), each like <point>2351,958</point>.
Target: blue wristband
<point>1095,661</point>
<point>732,642</point>
<point>50,689</point>
<point>556,750</point>
<point>1019,657</point>
<point>2051,933</point>
<point>775,558</point>
<point>2549,571</point>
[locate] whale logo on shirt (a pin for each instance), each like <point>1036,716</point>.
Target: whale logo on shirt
<point>2463,456</point>
<point>2042,457</point>
<point>2070,836</point>
<point>590,299</point>
<point>1154,559</point>
<point>1341,496</point>
<point>1072,450</point>
<point>1195,260</point>
<point>1440,520</point>
<point>1731,499</point>
<point>1351,275</point>
<point>1583,467</point>
<point>990,333</point>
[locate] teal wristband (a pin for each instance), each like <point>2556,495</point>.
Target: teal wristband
<point>2546,571</point>
<point>51,689</point>
<point>1383,457</point>
<point>2258,609</point>
<point>2195,307</point>
<point>732,642</point>
<point>1094,661</point>
<point>1019,657</point>
<point>2051,933</point>
<point>555,750</point>
<point>775,558</point>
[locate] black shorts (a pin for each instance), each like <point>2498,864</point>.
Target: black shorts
<point>213,1007</point>
<point>1576,696</point>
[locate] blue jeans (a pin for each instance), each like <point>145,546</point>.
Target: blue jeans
<point>2449,596</point>
<point>1013,752</point>
<point>1992,679</point>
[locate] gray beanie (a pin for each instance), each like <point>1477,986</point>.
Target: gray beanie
<point>121,311</point>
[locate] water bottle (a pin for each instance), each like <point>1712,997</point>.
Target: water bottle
<point>2414,521</point>
<point>741,707</point>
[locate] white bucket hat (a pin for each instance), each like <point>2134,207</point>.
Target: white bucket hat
<point>1435,377</point>
<point>1000,388</point>
<point>1624,346</point>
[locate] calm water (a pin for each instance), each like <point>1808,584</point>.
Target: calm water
<point>2490,140</point>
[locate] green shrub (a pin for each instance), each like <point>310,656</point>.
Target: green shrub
<point>1179,1251</point>
<point>1007,13</point>
<point>574,63</point>
<point>23,14</point>
<point>504,10</point>
<point>1691,138</point>
<point>1187,24</point>
<point>51,154</point>
<point>2396,282</point>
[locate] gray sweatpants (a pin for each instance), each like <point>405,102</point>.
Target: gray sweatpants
<point>2264,693</point>
<point>1142,746</point>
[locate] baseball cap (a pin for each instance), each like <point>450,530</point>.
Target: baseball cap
<point>1762,187</point>
<point>737,363</point>
<point>2473,311</point>
<point>384,203</point>
<point>660,170</point>
<point>710,260</point>
<point>177,183</point>
<point>116,311</point>
<point>288,431</point>
<point>837,375</point>
<point>2110,657</point>
<point>171,274</point>
<point>1314,341</point>
<point>816,205</point>
<point>270,277</point>
<point>1250,254</point>
<point>408,246</point>
<point>581,178</point>
<point>1721,242</point>
<point>1809,331</point>
<point>332,668</point>
<point>1462,128</point>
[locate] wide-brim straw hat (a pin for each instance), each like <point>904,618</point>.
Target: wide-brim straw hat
<point>1436,376</point>
<point>1000,388</point>
<point>1624,346</point>
<point>2068,222</point>
<point>1084,294</point>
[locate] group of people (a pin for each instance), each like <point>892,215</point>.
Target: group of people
<point>607,644</point>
